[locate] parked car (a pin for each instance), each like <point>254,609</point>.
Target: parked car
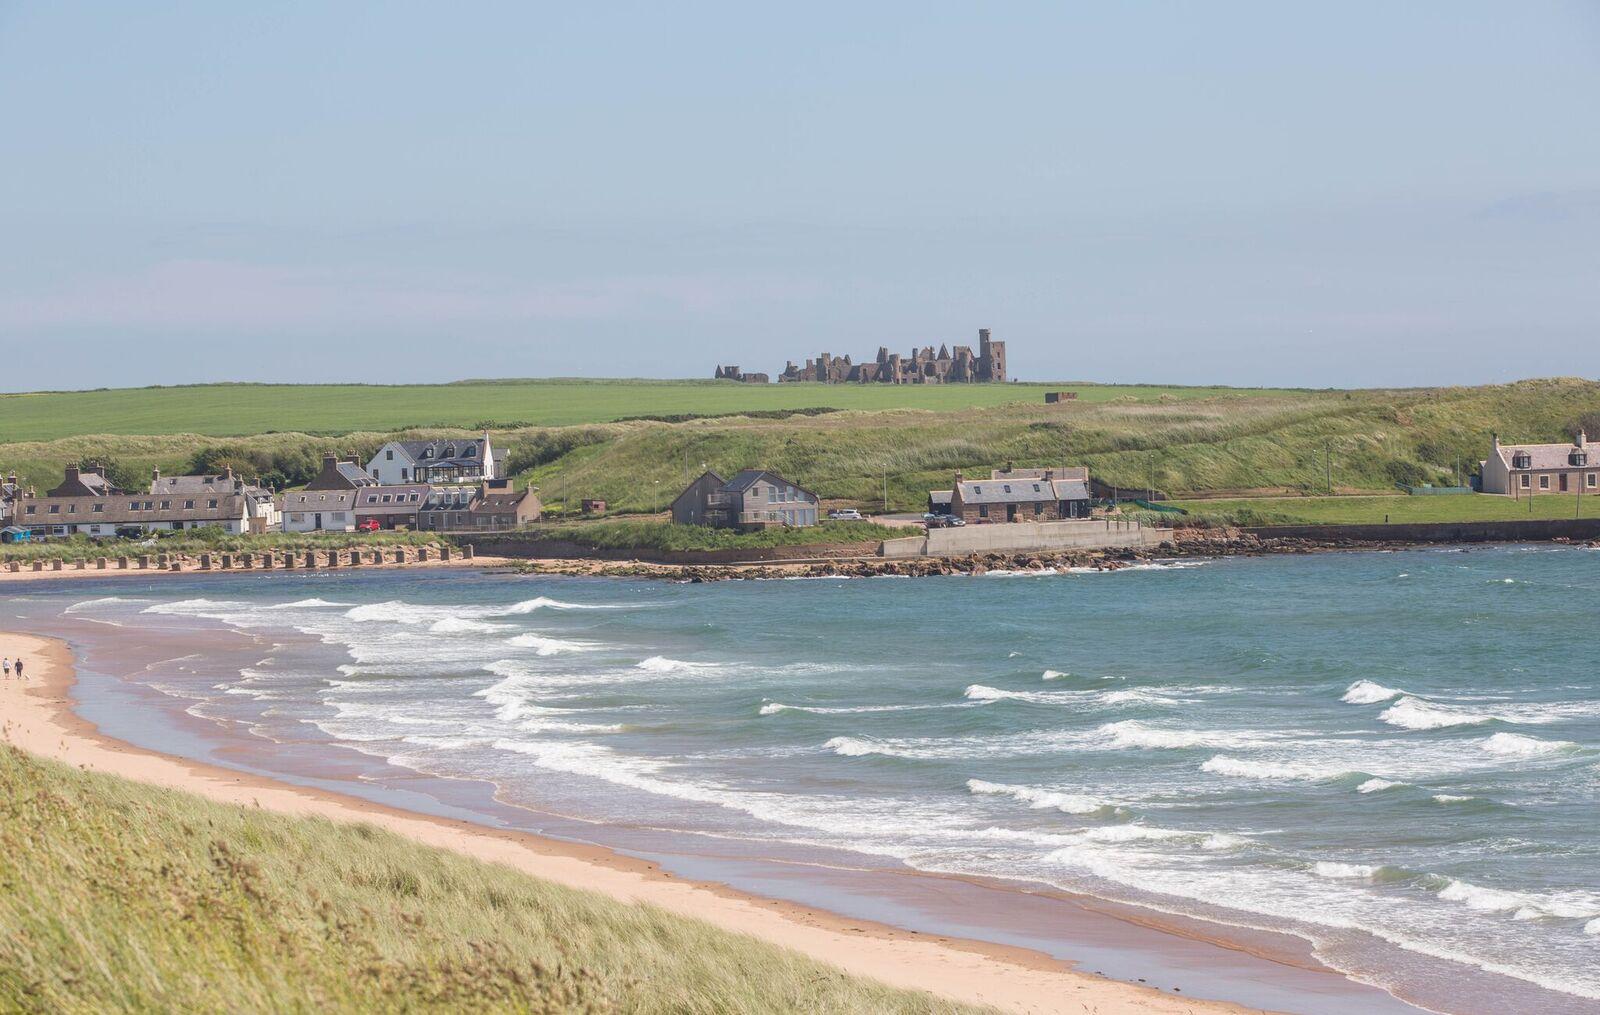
<point>934,521</point>
<point>844,515</point>
<point>368,525</point>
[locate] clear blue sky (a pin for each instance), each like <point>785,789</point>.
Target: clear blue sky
<point>1349,194</point>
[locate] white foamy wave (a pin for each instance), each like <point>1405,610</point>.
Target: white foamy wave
<point>1416,714</point>
<point>547,646</point>
<point>546,603</point>
<point>1000,572</point>
<point>661,664</point>
<point>1367,692</point>
<point>1053,675</point>
<point>1043,799</point>
<point>463,625</point>
<point>1569,905</point>
<point>1242,768</point>
<point>1377,786</point>
<point>1515,745</point>
<point>1451,798</point>
<point>102,601</point>
<point>1343,871</point>
<point>1135,696</point>
<point>774,707</point>
<point>1132,734</point>
<point>1592,927</point>
<point>195,607</point>
<point>850,747</point>
<point>395,612</point>
<point>307,604</point>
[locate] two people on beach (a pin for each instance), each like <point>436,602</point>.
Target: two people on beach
<point>9,665</point>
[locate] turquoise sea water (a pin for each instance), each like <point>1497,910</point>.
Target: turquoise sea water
<point>1394,755</point>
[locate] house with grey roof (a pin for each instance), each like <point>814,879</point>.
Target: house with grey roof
<point>752,499</point>
<point>449,460</point>
<point>1017,495</point>
<point>340,474</point>
<point>262,504</point>
<point>1526,470</point>
<point>311,510</point>
<point>100,513</point>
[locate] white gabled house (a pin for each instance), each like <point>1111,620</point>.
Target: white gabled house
<point>444,462</point>
<point>319,510</point>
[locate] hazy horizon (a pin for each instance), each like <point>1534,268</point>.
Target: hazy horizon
<point>1242,194</point>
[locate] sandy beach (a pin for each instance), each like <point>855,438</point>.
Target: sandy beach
<point>39,717</point>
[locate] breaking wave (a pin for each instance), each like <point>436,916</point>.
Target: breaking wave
<point>1367,692</point>
<point>1044,799</point>
<point>1515,745</point>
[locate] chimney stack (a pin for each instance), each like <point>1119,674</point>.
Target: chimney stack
<point>1583,439</point>
<point>155,476</point>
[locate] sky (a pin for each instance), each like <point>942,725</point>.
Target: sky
<point>1344,194</point>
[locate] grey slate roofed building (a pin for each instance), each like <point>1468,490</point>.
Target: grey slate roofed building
<point>752,499</point>
<point>1011,495</point>
<point>1530,469</point>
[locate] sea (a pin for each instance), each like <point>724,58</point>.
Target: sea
<point>1392,756</point>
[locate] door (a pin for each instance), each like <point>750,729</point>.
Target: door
<point>1563,482</point>
<point>316,521</point>
<point>1011,512</point>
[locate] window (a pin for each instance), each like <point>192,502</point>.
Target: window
<point>386,498</point>
<point>469,452</point>
<point>1524,482</point>
<point>188,505</point>
<point>55,509</point>
<point>211,503</point>
<point>983,510</point>
<point>1544,482</point>
<point>1038,508</point>
<point>1036,488</point>
<point>978,490</point>
<point>166,504</point>
<point>30,509</point>
<point>102,507</point>
<point>337,516</point>
<point>297,517</point>
<point>1590,481</point>
<point>1006,488</point>
<point>1522,460</point>
<point>389,455</point>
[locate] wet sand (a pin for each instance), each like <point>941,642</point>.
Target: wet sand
<point>1018,976</point>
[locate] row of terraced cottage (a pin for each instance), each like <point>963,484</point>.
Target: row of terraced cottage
<point>437,486</point>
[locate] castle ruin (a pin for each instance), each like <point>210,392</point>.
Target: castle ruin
<point>921,366</point>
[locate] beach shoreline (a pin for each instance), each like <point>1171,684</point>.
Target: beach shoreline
<point>40,718</point>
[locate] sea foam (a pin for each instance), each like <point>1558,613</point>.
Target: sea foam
<point>1515,745</point>
<point>1367,692</point>
<point>1415,714</point>
<point>1043,799</point>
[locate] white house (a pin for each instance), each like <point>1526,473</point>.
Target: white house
<point>457,460</point>
<point>263,508</point>
<point>319,510</point>
<point>1525,470</point>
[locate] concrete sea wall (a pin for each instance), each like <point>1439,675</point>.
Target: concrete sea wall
<point>1024,537</point>
<point>1440,532</point>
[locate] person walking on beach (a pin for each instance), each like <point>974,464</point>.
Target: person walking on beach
<point>19,667</point>
<point>8,666</point>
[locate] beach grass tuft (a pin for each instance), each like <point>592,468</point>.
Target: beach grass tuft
<point>115,896</point>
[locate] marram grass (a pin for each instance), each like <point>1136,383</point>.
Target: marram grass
<point>116,896</point>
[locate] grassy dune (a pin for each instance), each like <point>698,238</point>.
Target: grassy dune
<point>243,409</point>
<point>122,897</point>
<point>1260,443</point>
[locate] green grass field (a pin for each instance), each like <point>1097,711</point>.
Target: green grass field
<point>122,897</point>
<point>1396,509</point>
<point>225,410</point>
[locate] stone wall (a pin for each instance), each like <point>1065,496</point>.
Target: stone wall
<point>1440,532</point>
<point>1026,537</point>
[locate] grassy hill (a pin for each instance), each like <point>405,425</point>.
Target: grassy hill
<point>122,897</point>
<point>226,410</point>
<point>1184,442</point>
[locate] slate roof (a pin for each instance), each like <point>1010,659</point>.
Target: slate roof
<point>450,498</point>
<point>1547,456</point>
<point>320,500</point>
<point>119,509</point>
<point>401,497</point>
<point>745,479</point>
<point>1025,490</point>
<point>459,452</point>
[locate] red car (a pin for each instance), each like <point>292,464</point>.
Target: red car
<point>368,525</point>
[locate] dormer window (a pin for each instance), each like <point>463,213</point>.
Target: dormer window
<point>469,452</point>
<point>1579,458</point>
<point>1522,460</point>
<point>427,452</point>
